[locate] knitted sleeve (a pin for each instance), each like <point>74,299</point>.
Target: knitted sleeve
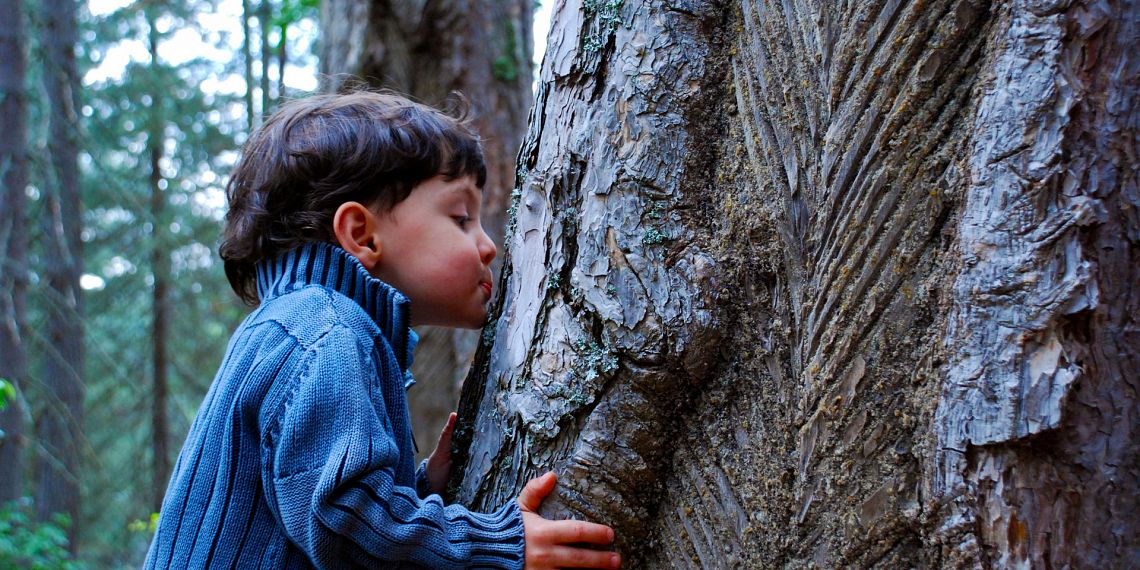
<point>330,460</point>
<point>423,488</point>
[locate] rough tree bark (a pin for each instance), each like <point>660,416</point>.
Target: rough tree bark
<point>59,427</point>
<point>826,284</point>
<point>13,245</point>
<point>429,49</point>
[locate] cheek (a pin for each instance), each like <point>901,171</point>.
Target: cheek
<point>447,270</point>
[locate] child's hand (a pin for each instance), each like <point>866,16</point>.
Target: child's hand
<point>547,541</point>
<point>439,463</point>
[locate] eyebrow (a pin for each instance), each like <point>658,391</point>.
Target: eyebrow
<point>470,190</point>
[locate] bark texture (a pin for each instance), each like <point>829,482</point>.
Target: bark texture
<point>825,284</point>
<point>429,49</point>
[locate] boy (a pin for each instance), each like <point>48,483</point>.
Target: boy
<point>352,217</point>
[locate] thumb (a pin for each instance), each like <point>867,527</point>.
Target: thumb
<point>530,499</point>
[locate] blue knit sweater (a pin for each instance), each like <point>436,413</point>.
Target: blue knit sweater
<point>302,456</point>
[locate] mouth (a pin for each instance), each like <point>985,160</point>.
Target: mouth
<point>486,288</point>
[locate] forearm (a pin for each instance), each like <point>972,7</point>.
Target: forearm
<point>369,518</point>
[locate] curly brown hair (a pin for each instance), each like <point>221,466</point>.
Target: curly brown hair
<point>317,153</point>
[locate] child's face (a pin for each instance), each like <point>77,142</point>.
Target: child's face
<point>434,250</point>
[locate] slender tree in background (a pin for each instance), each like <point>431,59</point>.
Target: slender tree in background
<point>247,62</point>
<point>290,14</point>
<point>13,248</point>
<point>150,105</point>
<point>281,23</point>
<point>429,50</point>
<point>826,285</point>
<point>59,427</point>
<point>264,25</point>
<point>118,139</point>
<point>160,272</point>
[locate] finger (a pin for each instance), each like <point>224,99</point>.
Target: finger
<point>445,434</point>
<point>570,557</point>
<point>530,499</point>
<point>580,532</point>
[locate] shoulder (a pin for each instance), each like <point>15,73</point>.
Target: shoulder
<point>309,314</point>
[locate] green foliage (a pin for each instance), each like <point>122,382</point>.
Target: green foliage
<point>200,132</point>
<point>7,393</point>
<point>293,11</point>
<point>31,544</point>
<point>505,67</point>
<point>146,527</point>
<point>199,115</point>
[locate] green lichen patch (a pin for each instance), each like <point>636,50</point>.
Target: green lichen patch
<point>654,236</point>
<point>554,282</point>
<point>594,360</point>
<point>607,16</point>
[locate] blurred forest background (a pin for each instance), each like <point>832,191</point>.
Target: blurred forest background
<point>121,121</point>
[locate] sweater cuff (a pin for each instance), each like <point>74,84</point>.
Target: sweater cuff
<point>423,489</point>
<point>497,538</point>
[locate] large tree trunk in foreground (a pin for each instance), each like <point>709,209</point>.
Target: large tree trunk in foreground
<point>60,424</point>
<point>13,247</point>
<point>429,50</point>
<point>826,285</point>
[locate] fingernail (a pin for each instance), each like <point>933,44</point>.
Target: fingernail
<point>610,534</point>
<point>615,560</point>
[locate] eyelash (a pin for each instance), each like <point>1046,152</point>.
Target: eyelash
<point>461,220</point>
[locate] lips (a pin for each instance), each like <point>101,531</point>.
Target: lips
<point>486,288</point>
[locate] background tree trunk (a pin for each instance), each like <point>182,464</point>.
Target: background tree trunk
<point>160,249</point>
<point>13,245</point>
<point>264,25</point>
<point>247,65</point>
<point>429,50</point>
<point>59,427</point>
<point>815,284</point>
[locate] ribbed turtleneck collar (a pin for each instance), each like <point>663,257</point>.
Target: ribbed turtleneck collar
<point>327,265</point>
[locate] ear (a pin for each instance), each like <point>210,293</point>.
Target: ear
<point>355,227</point>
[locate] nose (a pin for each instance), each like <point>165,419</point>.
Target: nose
<point>487,249</point>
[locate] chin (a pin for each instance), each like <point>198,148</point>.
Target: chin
<point>470,322</point>
<point>476,325</point>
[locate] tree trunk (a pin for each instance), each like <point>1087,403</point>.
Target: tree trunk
<point>429,50</point>
<point>160,297</point>
<point>282,58</point>
<point>247,62</point>
<point>263,24</point>
<point>816,284</point>
<point>60,425</point>
<point>13,246</point>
